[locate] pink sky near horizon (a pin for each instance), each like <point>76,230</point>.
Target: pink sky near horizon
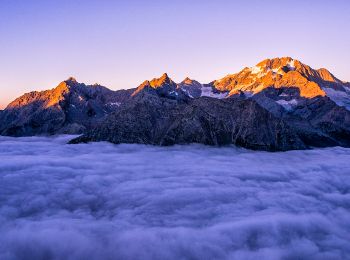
<point>120,44</point>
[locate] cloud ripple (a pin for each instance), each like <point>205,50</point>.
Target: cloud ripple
<point>104,201</point>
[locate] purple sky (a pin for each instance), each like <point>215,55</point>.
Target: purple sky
<point>121,43</point>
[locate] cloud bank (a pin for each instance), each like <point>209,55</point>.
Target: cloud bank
<point>104,201</point>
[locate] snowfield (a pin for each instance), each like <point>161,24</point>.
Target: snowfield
<point>104,201</point>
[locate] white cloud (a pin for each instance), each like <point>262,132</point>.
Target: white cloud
<point>104,201</point>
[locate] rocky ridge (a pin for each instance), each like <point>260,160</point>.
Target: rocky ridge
<point>69,108</point>
<point>279,104</point>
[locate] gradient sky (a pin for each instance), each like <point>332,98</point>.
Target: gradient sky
<point>119,44</point>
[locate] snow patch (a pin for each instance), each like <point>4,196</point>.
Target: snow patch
<point>341,98</point>
<point>284,95</point>
<point>291,65</point>
<point>208,92</point>
<point>278,71</point>
<point>114,104</point>
<point>287,104</point>
<point>187,92</point>
<point>258,71</point>
<point>255,70</point>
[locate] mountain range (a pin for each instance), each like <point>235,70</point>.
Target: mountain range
<point>279,104</point>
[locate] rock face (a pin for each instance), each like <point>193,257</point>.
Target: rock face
<point>70,108</point>
<point>191,87</point>
<point>277,105</point>
<point>163,86</point>
<point>320,122</point>
<point>150,119</point>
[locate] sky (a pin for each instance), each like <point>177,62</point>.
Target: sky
<point>119,44</point>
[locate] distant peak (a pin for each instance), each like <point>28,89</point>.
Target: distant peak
<point>157,82</point>
<point>276,62</point>
<point>71,82</point>
<point>187,80</point>
<point>327,76</point>
<point>165,75</point>
<point>71,79</point>
<point>164,78</point>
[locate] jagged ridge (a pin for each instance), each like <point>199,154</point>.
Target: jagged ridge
<point>71,107</point>
<point>301,107</point>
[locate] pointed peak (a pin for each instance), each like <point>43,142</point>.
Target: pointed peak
<point>71,82</point>
<point>71,79</point>
<point>327,75</point>
<point>163,82</point>
<point>66,85</point>
<point>157,82</point>
<point>325,71</point>
<point>187,80</point>
<point>164,76</point>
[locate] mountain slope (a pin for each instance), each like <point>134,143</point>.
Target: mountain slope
<point>279,104</point>
<point>71,107</point>
<point>163,86</point>
<point>194,89</point>
<point>286,73</point>
<point>156,120</point>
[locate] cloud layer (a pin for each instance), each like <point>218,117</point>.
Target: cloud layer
<point>104,201</point>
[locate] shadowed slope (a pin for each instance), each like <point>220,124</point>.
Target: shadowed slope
<point>151,119</point>
<point>71,107</point>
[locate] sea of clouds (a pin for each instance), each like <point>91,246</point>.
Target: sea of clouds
<point>105,201</point>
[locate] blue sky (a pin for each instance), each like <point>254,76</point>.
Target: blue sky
<point>121,43</point>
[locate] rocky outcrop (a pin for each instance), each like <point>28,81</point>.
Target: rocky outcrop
<point>191,87</point>
<point>151,119</point>
<point>318,121</point>
<point>163,86</point>
<point>242,121</point>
